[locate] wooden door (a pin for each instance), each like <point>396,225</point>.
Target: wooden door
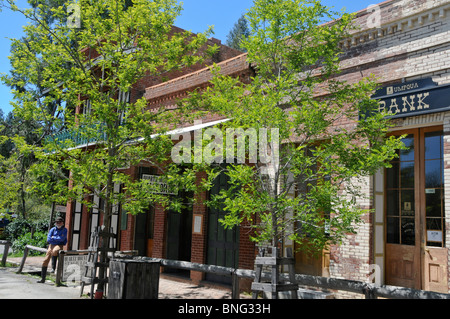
<point>434,253</point>
<point>414,210</point>
<point>402,216</point>
<point>223,243</point>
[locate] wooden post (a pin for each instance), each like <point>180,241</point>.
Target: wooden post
<point>59,268</point>
<point>22,263</point>
<point>370,294</point>
<point>235,289</point>
<point>51,216</point>
<point>5,252</point>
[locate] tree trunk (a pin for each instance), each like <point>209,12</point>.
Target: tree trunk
<point>107,213</point>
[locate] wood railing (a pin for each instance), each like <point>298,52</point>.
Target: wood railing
<point>370,291</point>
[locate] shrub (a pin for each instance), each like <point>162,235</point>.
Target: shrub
<point>19,227</point>
<point>39,240</point>
<point>18,232</point>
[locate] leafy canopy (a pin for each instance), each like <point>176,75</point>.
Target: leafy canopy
<point>87,70</point>
<point>309,192</point>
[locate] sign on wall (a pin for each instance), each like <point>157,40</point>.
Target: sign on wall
<point>413,98</point>
<point>197,225</point>
<point>159,185</point>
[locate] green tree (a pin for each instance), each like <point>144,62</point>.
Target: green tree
<point>91,66</point>
<point>238,33</point>
<point>311,154</point>
<point>20,129</point>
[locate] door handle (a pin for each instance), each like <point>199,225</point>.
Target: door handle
<point>428,251</point>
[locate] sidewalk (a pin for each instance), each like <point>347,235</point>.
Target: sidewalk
<point>11,284</point>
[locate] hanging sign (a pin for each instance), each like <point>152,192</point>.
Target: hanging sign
<point>159,185</point>
<point>413,98</point>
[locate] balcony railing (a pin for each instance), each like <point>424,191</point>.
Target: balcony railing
<point>73,139</point>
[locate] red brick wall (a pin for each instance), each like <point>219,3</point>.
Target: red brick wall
<point>159,237</point>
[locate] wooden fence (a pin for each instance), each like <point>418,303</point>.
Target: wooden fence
<point>370,291</point>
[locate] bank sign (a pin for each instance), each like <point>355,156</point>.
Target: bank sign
<point>413,98</point>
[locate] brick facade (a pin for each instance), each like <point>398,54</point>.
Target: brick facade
<point>177,84</point>
<point>411,41</point>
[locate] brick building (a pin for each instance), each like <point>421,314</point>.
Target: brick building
<point>166,234</point>
<point>406,45</point>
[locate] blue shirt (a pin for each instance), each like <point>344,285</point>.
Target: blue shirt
<point>57,236</point>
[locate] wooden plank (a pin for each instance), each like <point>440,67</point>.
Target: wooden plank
<point>40,249</point>
<point>132,279</point>
<point>213,269</point>
<point>269,287</point>
<point>269,261</point>
<point>117,280</point>
<point>93,264</point>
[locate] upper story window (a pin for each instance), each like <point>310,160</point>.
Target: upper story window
<point>124,97</point>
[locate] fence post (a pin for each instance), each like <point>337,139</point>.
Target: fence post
<point>369,292</point>
<point>235,293</point>
<point>59,268</point>
<point>5,253</point>
<point>22,263</point>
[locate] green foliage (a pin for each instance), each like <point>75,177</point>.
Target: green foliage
<point>39,239</point>
<point>19,233</point>
<point>22,132</point>
<point>19,227</point>
<point>117,44</point>
<point>310,195</point>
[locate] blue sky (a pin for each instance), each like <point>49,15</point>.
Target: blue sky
<point>197,15</point>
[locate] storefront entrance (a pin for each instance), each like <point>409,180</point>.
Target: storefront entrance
<point>179,235</point>
<point>416,256</point>
<point>143,236</point>
<point>223,243</point>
